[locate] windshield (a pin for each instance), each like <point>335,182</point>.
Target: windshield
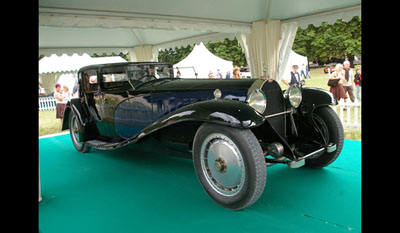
<point>135,75</point>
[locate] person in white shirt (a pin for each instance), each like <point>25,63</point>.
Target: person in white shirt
<point>348,81</point>
<point>66,94</point>
<point>60,102</point>
<point>294,77</point>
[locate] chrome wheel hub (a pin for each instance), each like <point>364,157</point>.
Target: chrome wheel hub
<point>222,164</point>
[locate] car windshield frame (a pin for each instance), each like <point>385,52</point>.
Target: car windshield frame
<point>134,75</point>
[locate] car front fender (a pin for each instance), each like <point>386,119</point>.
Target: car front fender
<point>316,97</point>
<point>225,112</point>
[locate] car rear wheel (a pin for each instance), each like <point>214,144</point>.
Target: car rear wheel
<point>74,129</point>
<point>332,128</point>
<point>229,164</point>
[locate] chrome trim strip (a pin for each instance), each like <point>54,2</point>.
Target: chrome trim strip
<point>277,114</point>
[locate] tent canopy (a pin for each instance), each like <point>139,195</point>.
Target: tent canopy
<point>116,26</point>
<point>264,28</point>
<point>67,64</point>
<point>203,61</point>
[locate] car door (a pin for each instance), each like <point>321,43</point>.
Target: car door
<point>135,112</point>
<point>113,89</point>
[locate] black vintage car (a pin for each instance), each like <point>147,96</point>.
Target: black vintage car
<point>233,129</point>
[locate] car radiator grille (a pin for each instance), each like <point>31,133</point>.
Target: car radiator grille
<point>275,104</point>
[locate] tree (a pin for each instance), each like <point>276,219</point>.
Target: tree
<point>123,55</point>
<point>342,39</point>
<point>174,55</point>
<point>229,50</point>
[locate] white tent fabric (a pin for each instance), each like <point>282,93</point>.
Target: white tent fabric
<point>67,64</point>
<point>62,69</point>
<point>92,26</point>
<point>330,17</point>
<point>68,26</point>
<point>143,54</point>
<point>263,45</point>
<point>203,62</point>
<point>294,59</point>
<point>288,33</point>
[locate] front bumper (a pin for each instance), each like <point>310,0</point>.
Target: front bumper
<point>299,162</point>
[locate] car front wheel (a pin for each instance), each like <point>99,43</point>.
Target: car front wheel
<point>229,164</point>
<point>332,128</point>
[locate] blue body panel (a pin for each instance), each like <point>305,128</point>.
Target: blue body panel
<point>134,114</point>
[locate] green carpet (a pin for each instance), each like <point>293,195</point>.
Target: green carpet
<point>136,189</point>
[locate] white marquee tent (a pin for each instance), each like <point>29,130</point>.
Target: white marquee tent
<point>67,64</point>
<point>62,69</point>
<point>294,59</point>
<point>264,28</point>
<point>203,62</point>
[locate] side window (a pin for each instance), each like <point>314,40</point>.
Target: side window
<point>90,81</point>
<point>114,77</point>
<point>115,80</point>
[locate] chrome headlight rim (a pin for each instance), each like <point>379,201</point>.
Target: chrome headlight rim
<point>294,95</point>
<point>257,100</point>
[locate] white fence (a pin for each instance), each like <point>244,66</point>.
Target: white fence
<point>47,103</point>
<point>352,112</point>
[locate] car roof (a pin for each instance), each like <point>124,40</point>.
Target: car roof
<point>98,66</point>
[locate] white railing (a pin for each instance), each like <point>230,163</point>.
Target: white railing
<point>47,103</point>
<point>352,112</point>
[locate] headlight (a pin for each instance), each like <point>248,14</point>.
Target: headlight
<point>294,96</point>
<point>257,100</point>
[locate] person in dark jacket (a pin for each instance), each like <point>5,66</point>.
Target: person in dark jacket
<point>294,77</point>
<point>357,81</point>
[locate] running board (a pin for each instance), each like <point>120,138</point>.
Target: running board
<point>301,160</point>
<point>102,145</point>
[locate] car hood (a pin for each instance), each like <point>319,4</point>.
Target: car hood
<point>202,84</point>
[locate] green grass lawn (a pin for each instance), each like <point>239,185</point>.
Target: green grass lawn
<point>48,124</point>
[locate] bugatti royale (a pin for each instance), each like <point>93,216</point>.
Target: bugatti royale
<point>232,129</point>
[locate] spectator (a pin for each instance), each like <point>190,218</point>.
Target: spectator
<point>219,75</point>
<point>357,81</point>
<point>228,75</point>
<point>41,89</point>
<point>211,75</point>
<point>75,92</point>
<point>302,71</point>
<point>338,90</point>
<point>307,73</point>
<point>294,77</point>
<point>348,82</point>
<point>60,103</point>
<point>178,74</point>
<point>66,94</point>
<point>235,73</point>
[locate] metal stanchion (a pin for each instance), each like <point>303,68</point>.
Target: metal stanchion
<point>40,193</point>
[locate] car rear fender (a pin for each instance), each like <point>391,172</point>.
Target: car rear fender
<point>89,129</point>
